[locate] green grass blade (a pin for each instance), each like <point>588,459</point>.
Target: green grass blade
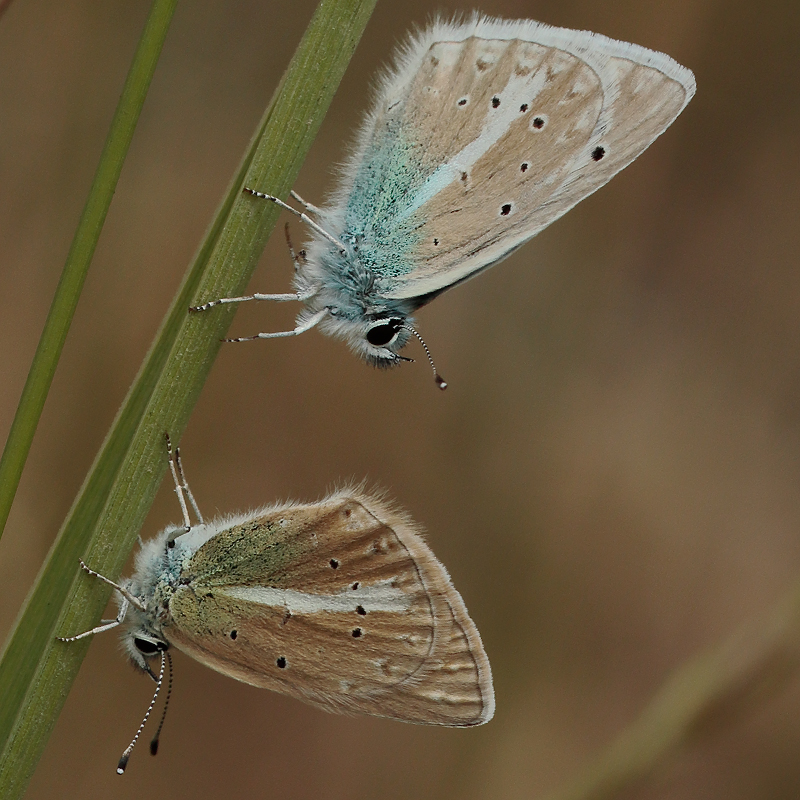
<point>36,671</point>
<point>73,275</point>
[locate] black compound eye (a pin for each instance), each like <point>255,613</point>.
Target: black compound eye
<point>383,332</point>
<point>146,647</point>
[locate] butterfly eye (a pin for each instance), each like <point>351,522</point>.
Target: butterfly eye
<point>146,647</point>
<point>383,332</point>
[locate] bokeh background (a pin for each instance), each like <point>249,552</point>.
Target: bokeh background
<point>612,479</point>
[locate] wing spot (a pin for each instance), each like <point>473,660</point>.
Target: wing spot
<point>463,101</point>
<point>361,610</point>
<point>435,242</point>
<point>523,167</point>
<point>233,634</point>
<point>523,108</point>
<point>334,563</point>
<point>598,153</point>
<point>538,123</point>
<point>495,102</point>
<point>356,633</point>
<point>505,209</point>
<point>355,586</point>
<point>281,662</point>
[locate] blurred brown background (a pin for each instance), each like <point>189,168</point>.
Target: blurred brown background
<point>612,478</point>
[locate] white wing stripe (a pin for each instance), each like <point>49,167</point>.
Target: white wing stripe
<point>381,596</point>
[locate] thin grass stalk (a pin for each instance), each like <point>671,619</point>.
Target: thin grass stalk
<point>36,671</point>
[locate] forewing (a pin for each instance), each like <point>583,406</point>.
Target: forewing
<point>361,619</point>
<point>490,139</point>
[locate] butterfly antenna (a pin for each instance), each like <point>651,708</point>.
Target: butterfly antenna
<point>154,741</point>
<point>123,762</point>
<point>440,381</point>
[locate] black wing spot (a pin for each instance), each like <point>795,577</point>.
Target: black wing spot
<point>355,586</point>
<point>234,634</point>
<point>361,610</point>
<point>495,101</point>
<point>523,108</point>
<point>523,167</point>
<point>435,242</point>
<point>505,210</point>
<point>598,153</point>
<point>281,662</point>
<point>538,123</point>
<point>357,632</point>
<point>463,101</point>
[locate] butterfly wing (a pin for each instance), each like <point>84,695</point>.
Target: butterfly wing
<point>489,131</point>
<point>340,604</point>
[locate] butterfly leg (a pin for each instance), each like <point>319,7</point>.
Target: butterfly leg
<point>303,216</point>
<point>256,296</point>
<point>308,206</point>
<point>182,489</point>
<point>185,486</point>
<point>302,328</point>
<point>127,596</point>
<point>106,625</point>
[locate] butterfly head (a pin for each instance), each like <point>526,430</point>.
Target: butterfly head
<point>141,645</point>
<point>141,640</point>
<point>375,338</point>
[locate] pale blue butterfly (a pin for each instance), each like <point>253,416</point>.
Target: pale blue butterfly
<point>484,133</point>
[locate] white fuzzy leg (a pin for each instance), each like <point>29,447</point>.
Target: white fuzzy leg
<point>310,222</point>
<point>133,600</point>
<point>123,610</point>
<point>187,523</point>
<point>185,486</point>
<point>308,206</point>
<point>281,298</point>
<point>181,486</point>
<point>306,326</point>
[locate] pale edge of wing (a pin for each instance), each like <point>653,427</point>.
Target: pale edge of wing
<point>593,48</point>
<point>437,580</point>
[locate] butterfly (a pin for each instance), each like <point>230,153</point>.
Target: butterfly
<point>339,603</point>
<point>482,134</point>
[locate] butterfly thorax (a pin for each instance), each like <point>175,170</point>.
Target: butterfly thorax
<point>351,291</point>
<point>159,567</point>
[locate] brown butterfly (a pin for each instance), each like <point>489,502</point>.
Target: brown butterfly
<point>339,603</point>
